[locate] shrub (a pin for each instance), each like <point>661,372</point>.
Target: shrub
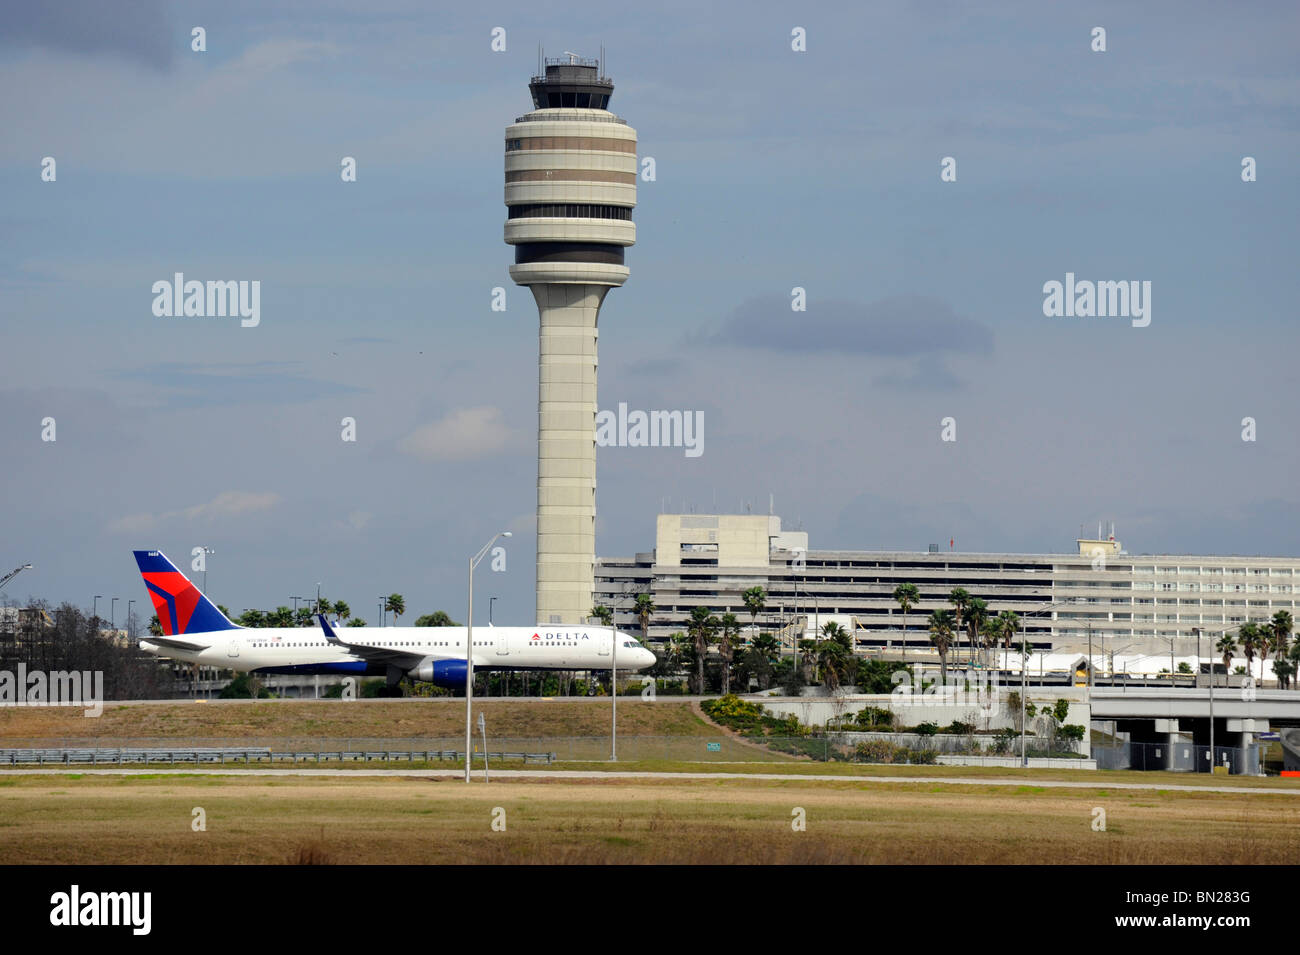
<point>883,751</point>
<point>926,729</point>
<point>876,751</point>
<point>958,728</point>
<point>1072,732</point>
<point>732,711</point>
<point>874,717</point>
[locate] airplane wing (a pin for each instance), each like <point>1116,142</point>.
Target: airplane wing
<point>174,644</point>
<point>398,658</point>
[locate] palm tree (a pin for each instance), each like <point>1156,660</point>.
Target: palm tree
<point>833,654</point>
<point>678,646</point>
<point>1281,625</point>
<point>977,611</point>
<point>730,628</point>
<point>941,634</point>
<point>1008,625</point>
<point>604,614</point>
<point>703,625</point>
<point>907,596</point>
<point>959,597</point>
<point>770,647</point>
<point>1250,638</point>
<point>1226,646</point>
<point>321,606</point>
<point>252,618</point>
<point>645,606</point>
<point>155,626</point>
<point>755,600</point>
<point>280,617</point>
<point>342,610</point>
<point>395,605</point>
<point>807,652</point>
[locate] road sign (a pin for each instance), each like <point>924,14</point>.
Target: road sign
<point>715,747</point>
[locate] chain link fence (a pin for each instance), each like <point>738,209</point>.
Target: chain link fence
<point>1178,757</point>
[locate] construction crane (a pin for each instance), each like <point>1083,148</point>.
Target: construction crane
<point>13,573</point>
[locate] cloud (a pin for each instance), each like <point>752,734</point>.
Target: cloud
<point>212,384</point>
<point>924,376</point>
<point>461,435</point>
<point>140,32</point>
<point>227,504</point>
<point>902,327</point>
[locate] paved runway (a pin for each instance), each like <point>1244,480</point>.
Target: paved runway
<point>664,777</point>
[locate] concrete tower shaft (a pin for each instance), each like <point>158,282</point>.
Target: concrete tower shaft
<point>570,189</point>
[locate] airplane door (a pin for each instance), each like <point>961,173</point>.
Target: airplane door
<point>602,646</point>
<point>502,644</point>
<point>233,650</point>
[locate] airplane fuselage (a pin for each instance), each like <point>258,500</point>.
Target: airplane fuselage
<point>307,650</point>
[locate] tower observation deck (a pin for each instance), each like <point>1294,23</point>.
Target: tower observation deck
<point>570,187</point>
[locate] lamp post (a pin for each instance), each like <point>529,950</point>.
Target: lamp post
<point>130,630</point>
<point>1024,666</point>
<point>207,552</point>
<point>112,614</point>
<point>1197,631</point>
<point>469,652</point>
<point>613,679</point>
<point>94,613</point>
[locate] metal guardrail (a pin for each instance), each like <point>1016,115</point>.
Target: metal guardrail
<point>130,755</point>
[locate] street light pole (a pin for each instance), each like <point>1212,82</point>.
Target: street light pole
<point>469,655</point>
<point>112,614</point>
<point>1024,667</point>
<point>613,683</point>
<point>1213,647</point>
<point>207,552</point>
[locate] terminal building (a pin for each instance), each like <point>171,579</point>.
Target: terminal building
<point>1098,595</point>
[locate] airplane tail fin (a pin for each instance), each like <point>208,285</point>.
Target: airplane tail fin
<point>181,606</point>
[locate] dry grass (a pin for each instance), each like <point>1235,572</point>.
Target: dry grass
<point>363,718</point>
<point>339,820</point>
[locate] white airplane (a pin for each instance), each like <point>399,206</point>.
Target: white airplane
<point>196,631</point>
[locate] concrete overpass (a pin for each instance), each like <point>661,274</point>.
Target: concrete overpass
<point>1163,716</point>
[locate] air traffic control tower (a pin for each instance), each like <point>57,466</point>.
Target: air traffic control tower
<point>570,189</point>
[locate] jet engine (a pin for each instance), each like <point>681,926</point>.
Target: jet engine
<point>444,673</point>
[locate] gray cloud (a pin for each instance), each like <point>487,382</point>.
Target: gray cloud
<point>136,30</point>
<point>195,385</point>
<point>902,327</point>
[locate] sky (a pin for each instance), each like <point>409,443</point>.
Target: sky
<point>775,169</point>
